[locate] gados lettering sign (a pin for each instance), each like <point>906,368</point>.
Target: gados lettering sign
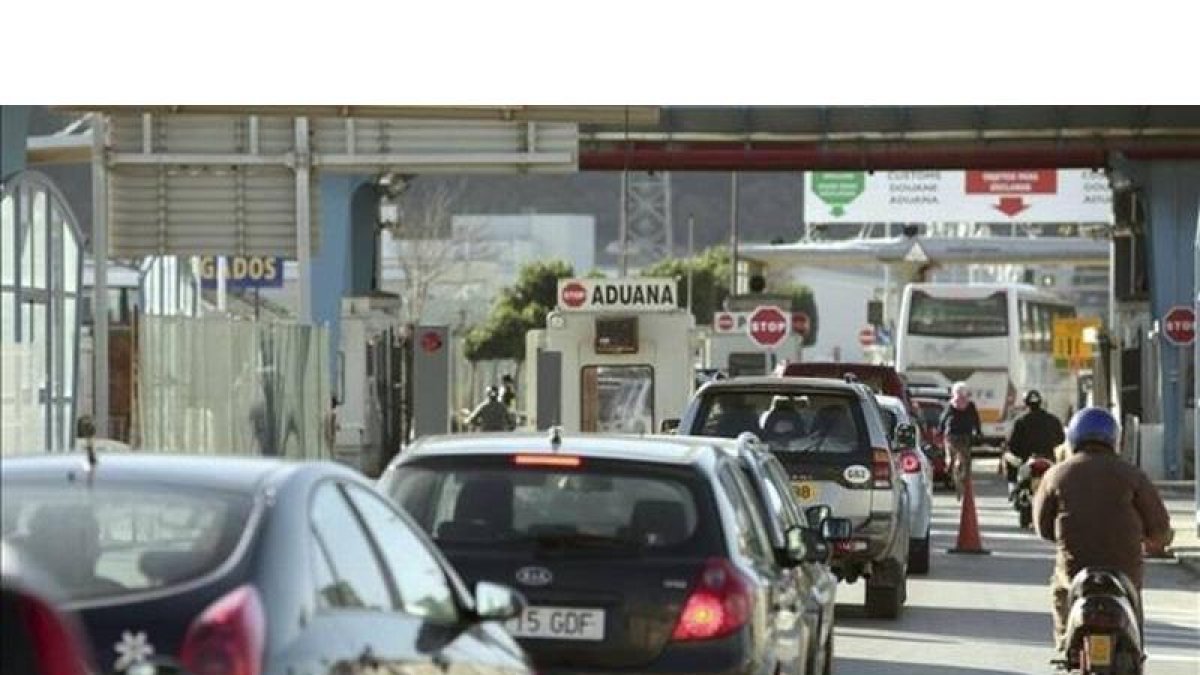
<point>618,295</point>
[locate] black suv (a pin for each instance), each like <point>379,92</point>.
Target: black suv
<point>641,554</point>
<point>830,436</point>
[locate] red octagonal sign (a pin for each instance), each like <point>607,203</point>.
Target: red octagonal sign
<point>768,326</point>
<point>1179,325</point>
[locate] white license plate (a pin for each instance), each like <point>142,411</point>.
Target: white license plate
<point>558,623</point>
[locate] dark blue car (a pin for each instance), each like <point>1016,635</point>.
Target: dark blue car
<point>214,565</point>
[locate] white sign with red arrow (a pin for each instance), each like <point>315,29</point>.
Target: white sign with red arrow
<point>976,196</point>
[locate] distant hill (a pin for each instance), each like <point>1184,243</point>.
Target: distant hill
<point>769,203</point>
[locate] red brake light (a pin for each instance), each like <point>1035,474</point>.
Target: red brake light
<point>228,638</point>
<point>718,605</point>
<point>881,468</point>
<point>560,461</point>
<point>58,651</point>
<point>910,463</point>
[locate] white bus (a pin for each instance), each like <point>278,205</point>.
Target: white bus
<point>995,337</point>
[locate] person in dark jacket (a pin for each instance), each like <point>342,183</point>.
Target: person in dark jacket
<point>491,415</point>
<point>1098,509</point>
<point>960,427</point>
<point>1037,432</point>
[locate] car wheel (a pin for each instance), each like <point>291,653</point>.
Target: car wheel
<point>918,555</point>
<point>884,602</point>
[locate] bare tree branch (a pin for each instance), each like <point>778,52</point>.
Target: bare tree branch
<point>428,246</point>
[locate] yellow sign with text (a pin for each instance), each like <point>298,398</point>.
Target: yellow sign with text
<point>1071,350</point>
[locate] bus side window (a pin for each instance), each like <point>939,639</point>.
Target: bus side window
<point>1028,330</point>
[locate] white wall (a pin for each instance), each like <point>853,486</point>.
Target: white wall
<point>841,298</point>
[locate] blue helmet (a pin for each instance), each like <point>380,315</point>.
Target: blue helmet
<point>1094,425</point>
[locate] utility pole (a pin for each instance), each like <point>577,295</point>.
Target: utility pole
<point>733,232</point>
<point>691,259</point>
<point>624,224</point>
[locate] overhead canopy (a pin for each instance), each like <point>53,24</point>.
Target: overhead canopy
<point>935,250</point>
<point>802,138</point>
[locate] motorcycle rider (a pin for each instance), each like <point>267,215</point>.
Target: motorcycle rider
<point>1035,433</point>
<point>1098,509</point>
<point>491,415</point>
<point>960,427</point>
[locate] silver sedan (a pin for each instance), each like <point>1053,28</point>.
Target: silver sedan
<point>917,474</point>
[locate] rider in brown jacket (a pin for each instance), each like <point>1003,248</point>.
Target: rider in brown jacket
<point>1097,508</point>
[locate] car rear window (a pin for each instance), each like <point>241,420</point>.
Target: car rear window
<point>817,424</point>
<point>492,501</point>
<point>107,542</point>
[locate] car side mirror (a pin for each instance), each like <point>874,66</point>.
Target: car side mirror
<point>817,514</point>
<point>669,426</point>
<point>837,529</point>
<point>495,602</point>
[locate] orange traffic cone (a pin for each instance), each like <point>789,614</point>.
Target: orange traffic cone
<point>969,540</point>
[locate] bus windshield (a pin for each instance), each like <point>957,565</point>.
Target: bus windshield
<point>958,317</point>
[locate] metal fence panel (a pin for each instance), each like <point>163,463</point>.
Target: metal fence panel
<point>218,386</point>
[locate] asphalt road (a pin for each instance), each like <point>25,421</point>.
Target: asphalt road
<point>987,615</point>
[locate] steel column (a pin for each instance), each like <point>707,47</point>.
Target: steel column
<point>303,221</point>
<point>100,283</point>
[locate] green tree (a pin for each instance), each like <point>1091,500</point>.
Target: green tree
<point>710,276</point>
<point>520,308</point>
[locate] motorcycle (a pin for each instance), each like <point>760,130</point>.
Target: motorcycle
<point>1104,625</point>
<point>1029,476</point>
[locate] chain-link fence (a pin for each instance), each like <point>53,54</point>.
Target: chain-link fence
<point>219,386</point>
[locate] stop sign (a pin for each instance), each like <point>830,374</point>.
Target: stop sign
<point>1179,325</point>
<point>725,322</point>
<point>768,326</point>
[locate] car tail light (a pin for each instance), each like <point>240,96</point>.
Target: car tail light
<point>56,644</point>
<point>718,605</point>
<point>228,637</point>
<point>910,463</point>
<point>557,461</point>
<point>881,468</point>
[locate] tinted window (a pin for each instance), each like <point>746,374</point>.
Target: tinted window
<point>489,501</point>
<point>112,541</point>
<point>751,535</point>
<point>420,580</point>
<point>767,506</point>
<point>359,579</point>
<point>958,317</point>
<point>815,424</point>
<point>779,487</point>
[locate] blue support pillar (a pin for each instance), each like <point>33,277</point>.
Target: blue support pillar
<point>1172,192</point>
<point>14,132</point>
<point>331,270</point>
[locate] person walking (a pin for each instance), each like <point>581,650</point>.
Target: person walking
<point>960,427</point>
<point>491,415</point>
<point>1099,510</point>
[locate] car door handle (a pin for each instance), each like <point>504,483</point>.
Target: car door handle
<point>787,599</point>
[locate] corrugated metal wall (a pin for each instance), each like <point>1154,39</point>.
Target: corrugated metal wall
<point>225,185</point>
